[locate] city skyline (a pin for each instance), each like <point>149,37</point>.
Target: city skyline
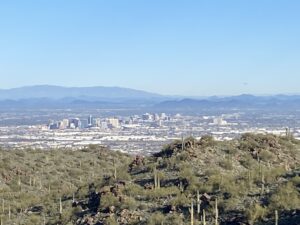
<point>191,49</point>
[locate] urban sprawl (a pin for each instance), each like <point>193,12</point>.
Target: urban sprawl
<point>137,134</point>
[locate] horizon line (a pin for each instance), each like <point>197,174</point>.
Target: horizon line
<point>153,92</point>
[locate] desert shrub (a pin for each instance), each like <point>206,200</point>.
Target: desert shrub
<point>180,200</point>
<point>231,150</point>
<point>226,164</point>
<point>169,150</point>
<point>296,181</point>
<point>229,204</point>
<point>211,172</point>
<point>111,221</point>
<point>286,197</point>
<point>271,175</point>
<point>207,140</point>
<point>161,193</point>
<point>259,142</point>
<point>170,163</point>
<point>156,219</point>
<point>186,174</point>
<point>247,161</point>
<point>122,173</point>
<point>266,156</point>
<point>133,190</point>
<point>294,152</point>
<point>109,200</point>
<point>255,212</point>
<point>20,153</point>
<point>173,219</point>
<point>205,188</point>
<point>129,203</point>
<point>181,157</point>
<point>34,219</point>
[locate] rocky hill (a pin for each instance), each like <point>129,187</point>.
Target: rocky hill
<point>251,180</point>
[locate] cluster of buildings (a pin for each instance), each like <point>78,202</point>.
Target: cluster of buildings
<point>76,123</point>
<point>108,123</point>
<point>141,134</point>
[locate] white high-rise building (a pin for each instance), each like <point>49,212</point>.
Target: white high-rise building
<point>114,122</point>
<point>98,122</point>
<point>219,121</point>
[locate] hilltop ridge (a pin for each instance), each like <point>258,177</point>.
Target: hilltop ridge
<point>248,179</point>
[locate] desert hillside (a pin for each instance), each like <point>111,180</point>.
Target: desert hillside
<point>250,180</point>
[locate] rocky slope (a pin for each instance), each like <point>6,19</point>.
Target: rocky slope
<point>251,180</point>
<point>248,181</point>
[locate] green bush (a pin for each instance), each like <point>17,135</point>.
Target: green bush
<point>287,197</point>
<point>226,164</point>
<point>156,219</point>
<point>254,213</point>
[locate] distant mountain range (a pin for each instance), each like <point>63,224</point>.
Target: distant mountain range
<point>283,102</point>
<point>46,96</point>
<point>87,93</point>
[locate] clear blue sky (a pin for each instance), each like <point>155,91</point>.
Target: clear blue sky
<point>171,47</point>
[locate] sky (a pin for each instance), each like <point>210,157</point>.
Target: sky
<point>192,48</point>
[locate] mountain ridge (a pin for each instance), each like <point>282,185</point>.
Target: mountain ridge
<point>240,101</point>
<point>59,92</point>
<point>99,96</point>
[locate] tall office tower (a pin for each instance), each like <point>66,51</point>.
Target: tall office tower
<point>163,116</point>
<point>113,122</point>
<point>75,123</point>
<point>65,123</point>
<point>98,122</point>
<point>84,123</point>
<point>90,121</point>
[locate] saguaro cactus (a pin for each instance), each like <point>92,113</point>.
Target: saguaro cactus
<point>204,217</point>
<point>249,180</point>
<point>9,213</point>
<point>115,173</point>
<point>181,187</point>
<point>60,206</point>
<point>276,217</point>
<point>262,181</point>
<point>216,212</point>
<point>41,185</point>
<point>262,191</point>
<point>158,181</point>
<point>192,213</point>
<point>115,170</point>
<point>221,182</point>
<point>198,203</point>
<point>155,177</point>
